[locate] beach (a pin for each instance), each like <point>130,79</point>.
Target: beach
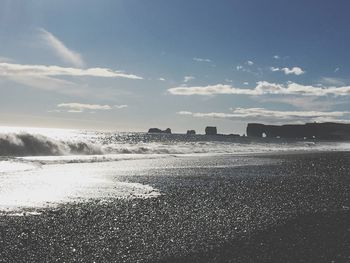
<point>290,207</point>
<point>174,131</point>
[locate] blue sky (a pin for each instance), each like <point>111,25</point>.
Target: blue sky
<point>131,65</point>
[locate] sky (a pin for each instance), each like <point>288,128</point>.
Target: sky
<point>129,65</point>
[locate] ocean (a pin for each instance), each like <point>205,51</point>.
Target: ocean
<point>45,167</point>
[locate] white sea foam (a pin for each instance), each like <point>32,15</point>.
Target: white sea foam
<point>15,166</point>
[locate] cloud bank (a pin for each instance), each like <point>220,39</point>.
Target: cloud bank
<point>271,115</point>
<point>81,107</point>
<point>262,88</point>
<point>10,69</point>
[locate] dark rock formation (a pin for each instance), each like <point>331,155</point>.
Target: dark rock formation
<point>233,135</point>
<point>191,132</point>
<point>209,130</point>
<point>156,130</point>
<point>323,131</point>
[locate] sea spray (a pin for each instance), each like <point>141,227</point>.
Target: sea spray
<point>55,142</point>
<point>25,144</point>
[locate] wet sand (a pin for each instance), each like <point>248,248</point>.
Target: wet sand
<point>286,208</point>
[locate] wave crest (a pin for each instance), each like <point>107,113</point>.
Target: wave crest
<point>25,144</point>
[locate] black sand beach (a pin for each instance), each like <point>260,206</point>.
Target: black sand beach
<point>286,208</point>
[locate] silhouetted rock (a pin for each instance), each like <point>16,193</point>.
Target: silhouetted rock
<point>191,132</point>
<point>325,131</point>
<point>210,130</point>
<point>233,135</point>
<point>156,130</point>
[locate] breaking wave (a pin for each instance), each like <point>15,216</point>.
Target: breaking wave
<point>25,144</point>
<point>99,146</point>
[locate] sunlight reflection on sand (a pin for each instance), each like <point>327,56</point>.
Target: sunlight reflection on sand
<point>54,184</point>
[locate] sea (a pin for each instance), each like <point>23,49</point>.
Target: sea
<point>42,167</point>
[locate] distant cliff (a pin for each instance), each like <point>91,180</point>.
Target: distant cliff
<point>323,131</point>
<point>191,132</point>
<point>156,130</point>
<point>209,130</point>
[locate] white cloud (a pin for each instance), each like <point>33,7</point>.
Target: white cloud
<point>185,113</point>
<point>303,102</point>
<point>229,80</point>
<point>208,90</point>
<point>295,70</point>
<point>250,63</point>
<point>161,79</point>
<point>10,69</point>
<point>270,115</point>
<point>120,106</point>
<point>80,107</point>
<point>262,88</point>
<point>202,60</point>
<point>274,69</point>
<point>294,88</point>
<point>245,83</point>
<point>336,69</point>
<point>51,78</point>
<point>64,53</point>
<point>239,67</point>
<point>188,78</point>
<point>76,107</point>
<point>276,57</point>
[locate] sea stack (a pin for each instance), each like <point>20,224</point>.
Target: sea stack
<point>322,131</point>
<point>210,130</point>
<point>191,132</point>
<point>157,130</point>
